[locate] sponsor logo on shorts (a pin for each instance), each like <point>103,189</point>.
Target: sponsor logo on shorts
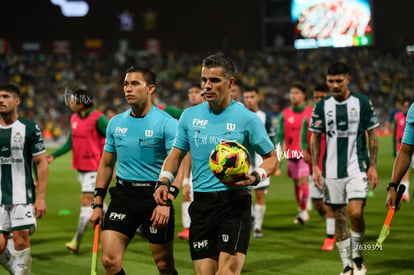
<point>200,245</point>
<point>153,230</point>
<point>113,216</point>
<point>225,238</point>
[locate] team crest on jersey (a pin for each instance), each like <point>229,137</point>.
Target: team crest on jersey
<point>74,125</point>
<point>354,112</point>
<point>18,137</point>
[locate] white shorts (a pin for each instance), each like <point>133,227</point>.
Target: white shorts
<point>264,184</point>
<point>341,191</point>
<point>17,217</point>
<point>314,192</point>
<point>87,181</point>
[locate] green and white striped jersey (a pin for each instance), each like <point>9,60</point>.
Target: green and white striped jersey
<point>345,125</point>
<point>19,142</point>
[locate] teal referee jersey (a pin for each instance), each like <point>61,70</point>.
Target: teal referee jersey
<point>140,143</point>
<point>200,129</point>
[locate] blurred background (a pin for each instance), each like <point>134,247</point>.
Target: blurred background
<point>51,47</point>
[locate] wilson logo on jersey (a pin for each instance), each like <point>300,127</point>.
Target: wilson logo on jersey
<point>149,133</point>
<point>231,126</point>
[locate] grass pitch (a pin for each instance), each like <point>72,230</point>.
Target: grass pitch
<point>286,248</point>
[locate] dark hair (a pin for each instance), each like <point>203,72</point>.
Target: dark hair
<point>406,99</point>
<point>251,89</point>
<point>321,87</point>
<point>195,85</point>
<point>149,76</point>
<point>219,60</point>
<point>82,96</point>
<point>336,68</point>
<point>11,88</point>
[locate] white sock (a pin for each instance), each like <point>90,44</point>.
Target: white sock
<point>259,211</point>
<point>357,239</point>
<point>330,226</point>
<point>7,260</point>
<point>184,214</point>
<point>85,214</point>
<point>344,249</point>
<point>23,262</point>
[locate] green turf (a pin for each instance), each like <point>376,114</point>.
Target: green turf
<point>285,249</point>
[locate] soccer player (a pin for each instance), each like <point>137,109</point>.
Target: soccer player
<point>220,214</point>
<point>403,159</point>
<point>139,139</point>
<point>399,124</point>
<point>316,194</point>
<point>20,205</point>
<point>345,118</point>
<point>290,125</point>
<point>195,97</point>
<point>251,100</point>
<point>236,92</point>
<point>86,139</point>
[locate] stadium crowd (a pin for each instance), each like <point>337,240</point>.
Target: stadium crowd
<point>46,80</point>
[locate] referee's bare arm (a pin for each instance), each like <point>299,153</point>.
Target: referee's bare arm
<point>171,164</point>
<point>104,177</point>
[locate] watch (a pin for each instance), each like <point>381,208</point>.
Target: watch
<point>95,205</point>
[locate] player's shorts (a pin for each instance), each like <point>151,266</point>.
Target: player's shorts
<point>132,205</point>
<point>298,168</point>
<point>220,221</point>
<point>338,192</point>
<point>17,217</point>
<point>314,192</point>
<point>87,180</point>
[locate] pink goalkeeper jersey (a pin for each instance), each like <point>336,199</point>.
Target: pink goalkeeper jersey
<point>399,129</point>
<point>292,126</point>
<point>87,143</point>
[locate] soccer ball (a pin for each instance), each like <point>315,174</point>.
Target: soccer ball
<point>229,161</point>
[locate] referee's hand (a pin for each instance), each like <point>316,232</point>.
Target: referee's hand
<point>161,195</point>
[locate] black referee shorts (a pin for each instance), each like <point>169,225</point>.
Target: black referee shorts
<point>132,205</point>
<point>220,221</point>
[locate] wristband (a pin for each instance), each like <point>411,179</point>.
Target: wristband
<point>96,205</point>
<point>100,192</point>
<point>257,178</point>
<point>262,173</point>
<point>186,181</point>
<point>174,191</point>
<point>168,175</point>
<point>392,185</point>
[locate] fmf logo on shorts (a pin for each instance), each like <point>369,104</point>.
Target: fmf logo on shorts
<point>117,216</point>
<point>200,245</point>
